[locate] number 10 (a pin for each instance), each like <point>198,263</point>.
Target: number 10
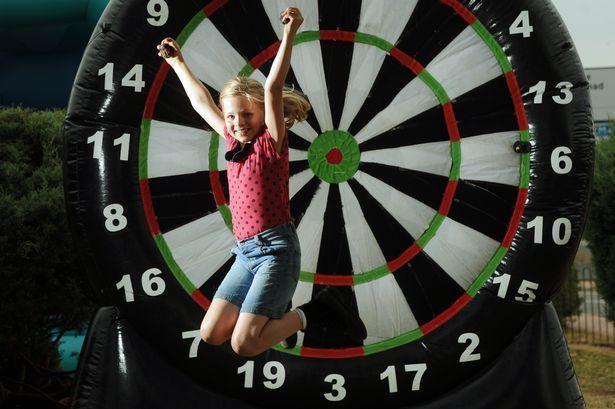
<point>559,237</point>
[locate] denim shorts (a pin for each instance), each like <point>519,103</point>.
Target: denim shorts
<point>263,278</point>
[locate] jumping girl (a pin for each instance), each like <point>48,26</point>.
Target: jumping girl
<point>250,306</point>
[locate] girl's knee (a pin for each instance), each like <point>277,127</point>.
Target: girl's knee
<point>211,335</point>
<point>246,346</point>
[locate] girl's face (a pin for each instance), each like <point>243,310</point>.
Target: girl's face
<point>244,119</point>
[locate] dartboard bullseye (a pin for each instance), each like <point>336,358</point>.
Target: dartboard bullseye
<point>436,183</point>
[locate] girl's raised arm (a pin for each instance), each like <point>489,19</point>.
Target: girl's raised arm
<point>274,106</point>
<point>200,98</point>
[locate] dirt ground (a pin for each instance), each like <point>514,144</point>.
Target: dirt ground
<point>595,368</point>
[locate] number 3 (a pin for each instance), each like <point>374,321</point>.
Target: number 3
<point>337,386</point>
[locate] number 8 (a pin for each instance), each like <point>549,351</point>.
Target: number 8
<point>115,219</point>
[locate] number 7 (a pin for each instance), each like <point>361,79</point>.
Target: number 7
<point>420,370</point>
<point>196,339</point>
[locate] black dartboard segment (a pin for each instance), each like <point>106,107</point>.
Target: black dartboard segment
<point>440,235</point>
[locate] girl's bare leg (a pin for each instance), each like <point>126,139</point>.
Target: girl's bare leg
<point>254,333</point>
<point>219,322</point>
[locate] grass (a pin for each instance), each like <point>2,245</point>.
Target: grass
<point>595,368</point>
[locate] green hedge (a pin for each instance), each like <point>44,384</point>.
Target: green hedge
<point>42,285</point>
<point>601,222</point>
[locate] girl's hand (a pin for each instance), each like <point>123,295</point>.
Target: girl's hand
<point>169,50</point>
<point>292,19</point>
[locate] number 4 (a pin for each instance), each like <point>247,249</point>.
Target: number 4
<point>521,25</point>
<point>134,78</point>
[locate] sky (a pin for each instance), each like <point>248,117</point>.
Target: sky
<point>592,26</point>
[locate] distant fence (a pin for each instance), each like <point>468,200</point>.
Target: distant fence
<point>589,324</point>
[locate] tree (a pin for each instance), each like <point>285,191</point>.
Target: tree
<point>43,289</point>
<point>601,222</point>
<point>567,301</point>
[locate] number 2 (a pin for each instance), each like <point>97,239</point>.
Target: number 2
<point>468,355</point>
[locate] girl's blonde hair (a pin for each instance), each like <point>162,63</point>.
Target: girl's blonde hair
<point>296,105</point>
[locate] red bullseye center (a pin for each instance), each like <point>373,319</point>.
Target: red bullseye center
<point>334,156</point>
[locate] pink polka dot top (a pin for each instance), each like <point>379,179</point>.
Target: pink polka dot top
<point>258,186</point>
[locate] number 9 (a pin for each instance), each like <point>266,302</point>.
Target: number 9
<point>274,371</point>
<point>159,10</point>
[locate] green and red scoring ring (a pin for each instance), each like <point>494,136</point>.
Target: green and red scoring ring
<point>418,70</point>
<point>334,156</point>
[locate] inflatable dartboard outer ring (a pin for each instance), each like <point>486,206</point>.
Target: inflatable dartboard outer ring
<point>483,75</point>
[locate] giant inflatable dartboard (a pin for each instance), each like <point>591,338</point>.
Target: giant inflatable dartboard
<point>405,187</point>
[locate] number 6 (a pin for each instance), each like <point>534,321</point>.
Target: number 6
<point>561,163</point>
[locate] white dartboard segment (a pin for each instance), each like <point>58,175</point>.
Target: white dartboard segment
<point>384,309</point>
<point>461,251</point>
<point>412,214</point>
<point>201,247</point>
<point>491,158</point>
<point>212,59</point>
<point>465,64</point>
<point>412,100</point>
<point>178,150</point>
<point>309,11</point>
<point>433,157</point>
<point>365,254</point>
<point>305,131</point>
<point>296,155</point>
<point>306,59</point>
<point>297,181</point>
<point>310,228</point>
<point>386,23</point>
